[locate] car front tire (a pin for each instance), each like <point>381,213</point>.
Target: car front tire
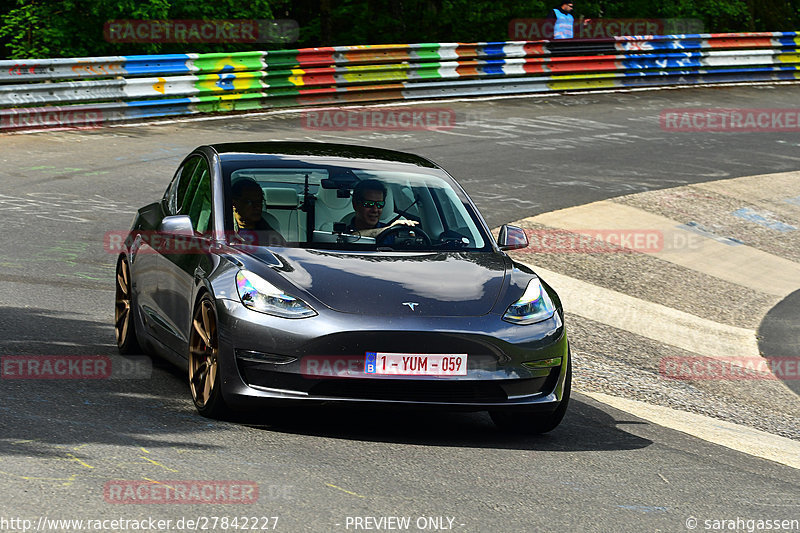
<point>204,375</point>
<point>124,322</point>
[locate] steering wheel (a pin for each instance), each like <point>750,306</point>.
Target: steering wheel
<point>413,232</point>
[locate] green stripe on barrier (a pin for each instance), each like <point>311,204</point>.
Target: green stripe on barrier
<point>236,62</point>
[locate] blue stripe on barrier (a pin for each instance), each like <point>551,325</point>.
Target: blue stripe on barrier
<point>157,64</point>
<point>166,101</point>
<point>140,110</point>
<point>494,49</point>
<point>661,63</point>
<point>493,67</point>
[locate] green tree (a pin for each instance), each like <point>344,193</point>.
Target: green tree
<point>74,28</point>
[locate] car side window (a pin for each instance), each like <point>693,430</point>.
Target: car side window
<point>196,200</point>
<point>177,189</point>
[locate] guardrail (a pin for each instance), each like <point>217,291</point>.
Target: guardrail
<point>52,93</point>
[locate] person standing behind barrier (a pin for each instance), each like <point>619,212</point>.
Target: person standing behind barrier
<point>564,21</point>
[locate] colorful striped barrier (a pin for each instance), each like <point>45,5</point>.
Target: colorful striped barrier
<point>52,93</point>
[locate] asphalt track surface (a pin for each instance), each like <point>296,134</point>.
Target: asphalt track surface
<point>61,442</point>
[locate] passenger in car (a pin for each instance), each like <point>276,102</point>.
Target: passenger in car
<point>248,221</point>
<point>369,200</point>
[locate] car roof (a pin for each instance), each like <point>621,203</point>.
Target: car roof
<point>314,151</point>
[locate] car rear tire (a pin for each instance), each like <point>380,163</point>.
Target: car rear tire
<point>204,379</point>
<point>535,423</point>
<point>124,323</point>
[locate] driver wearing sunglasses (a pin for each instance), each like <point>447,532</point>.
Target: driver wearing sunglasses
<point>369,200</point>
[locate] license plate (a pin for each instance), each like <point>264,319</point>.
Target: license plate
<point>416,364</point>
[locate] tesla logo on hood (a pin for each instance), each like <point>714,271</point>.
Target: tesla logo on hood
<point>411,305</point>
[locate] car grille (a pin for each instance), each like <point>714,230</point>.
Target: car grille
<point>412,391</point>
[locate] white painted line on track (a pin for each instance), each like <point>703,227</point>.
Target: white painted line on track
<point>742,265</point>
<point>740,438</point>
<point>651,320</point>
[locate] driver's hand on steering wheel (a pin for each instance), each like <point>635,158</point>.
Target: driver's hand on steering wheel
<point>402,223</point>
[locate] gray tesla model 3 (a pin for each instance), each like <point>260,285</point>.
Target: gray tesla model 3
<point>307,273</point>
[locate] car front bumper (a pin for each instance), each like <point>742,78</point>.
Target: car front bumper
<point>320,360</point>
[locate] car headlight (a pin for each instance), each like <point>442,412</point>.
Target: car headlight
<point>534,306</point>
<point>262,296</point>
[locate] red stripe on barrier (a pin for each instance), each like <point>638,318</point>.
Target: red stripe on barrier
<point>536,48</point>
<point>534,66</point>
<point>740,43</point>
<point>315,56</point>
<point>466,69</point>
<point>467,50</point>
<point>319,76</point>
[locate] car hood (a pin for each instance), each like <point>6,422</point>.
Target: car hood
<point>397,284</point>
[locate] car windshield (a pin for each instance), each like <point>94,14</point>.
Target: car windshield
<point>350,208</point>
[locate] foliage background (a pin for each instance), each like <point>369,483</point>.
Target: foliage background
<point>74,28</point>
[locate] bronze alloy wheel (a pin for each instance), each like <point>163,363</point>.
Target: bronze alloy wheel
<point>203,364</point>
<point>123,310</point>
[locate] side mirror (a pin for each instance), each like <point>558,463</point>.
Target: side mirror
<point>512,238</point>
<point>177,225</point>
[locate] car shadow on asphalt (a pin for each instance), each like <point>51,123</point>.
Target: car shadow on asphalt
<point>779,340</point>
<point>36,331</point>
<point>584,428</point>
<point>42,414</point>
<point>118,411</point>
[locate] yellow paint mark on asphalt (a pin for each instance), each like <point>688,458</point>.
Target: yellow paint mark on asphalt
<point>68,480</point>
<point>145,451</point>
<point>158,464</point>
<point>344,490</point>
<point>158,483</point>
<point>79,461</point>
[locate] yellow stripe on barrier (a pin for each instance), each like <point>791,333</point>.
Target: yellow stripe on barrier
<point>362,73</point>
<point>789,58</point>
<point>297,77</point>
